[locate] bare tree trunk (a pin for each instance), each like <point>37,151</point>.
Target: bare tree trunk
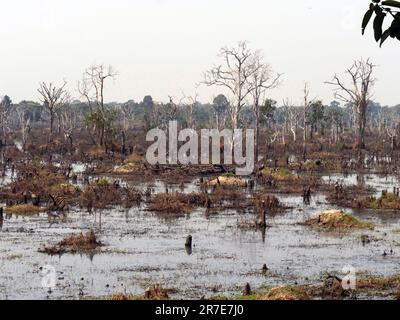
<point>51,126</point>
<point>361,129</point>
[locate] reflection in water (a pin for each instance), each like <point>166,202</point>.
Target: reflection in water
<point>189,250</point>
<point>361,180</point>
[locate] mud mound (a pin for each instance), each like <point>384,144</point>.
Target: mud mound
<point>227,181</point>
<point>286,293</point>
<point>336,219</point>
<point>129,167</point>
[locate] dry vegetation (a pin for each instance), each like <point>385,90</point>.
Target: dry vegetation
<point>333,220</point>
<point>74,244</point>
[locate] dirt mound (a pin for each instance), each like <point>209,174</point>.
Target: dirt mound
<point>227,181</point>
<point>286,293</point>
<point>129,167</point>
<point>336,219</point>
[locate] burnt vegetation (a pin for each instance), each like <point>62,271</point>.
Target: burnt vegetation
<point>63,155</point>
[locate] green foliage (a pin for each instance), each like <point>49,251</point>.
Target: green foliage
<point>316,113</point>
<point>267,111</point>
<point>383,9</point>
<point>229,175</point>
<point>103,182</point>
<point>102,120</point>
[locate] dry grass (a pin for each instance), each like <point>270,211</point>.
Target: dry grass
<point>24,209</point>
<point>125,297</point>
<point>102,194</point>
<point>378,282</point>
<point>285,293</point>
<point>175,203</point>
<point>265,201</point>
<point>386,201</point>
<point>135,158</point>
<point>156,292</point>
<point>74,244</point>
<point>87,240</point>
<point>96,151</point>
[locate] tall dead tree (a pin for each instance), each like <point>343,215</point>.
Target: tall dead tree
<point>128,116</point>
<point>69,119</point>
<point>92,89</point>
<point>305,116</point>
<point>24,123</point>
<point>52,97</point>
<point>234,76</point>
<point>189,103</point>
<point>357,93</point>
<point>262,79</point>
<point>5,108</point>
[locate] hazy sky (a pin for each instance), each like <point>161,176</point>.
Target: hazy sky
<point>162,47</point>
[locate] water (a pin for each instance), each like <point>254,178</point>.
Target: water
<point>144,248</point>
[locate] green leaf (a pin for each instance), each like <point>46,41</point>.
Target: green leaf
<point>391,3</point>
<point>385,35</point>
<point>378,22</point>
<point>367,18</point>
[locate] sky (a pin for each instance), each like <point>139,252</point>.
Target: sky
<point>163,47</point>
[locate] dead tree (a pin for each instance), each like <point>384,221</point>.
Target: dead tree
<point>189,103</point>
<point>5,107</point>
<point>292,118</point>
<point>52,97</point>
<point>70,121</point>
<point>234,76</point>
<point>306,111</point>
<point>261,80</point>
<point>128,116</point>
<point>92,89</point>
<point>24,124</point>
<point>358,93</point>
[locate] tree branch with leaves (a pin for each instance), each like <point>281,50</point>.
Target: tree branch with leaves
<point>382,10</point>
